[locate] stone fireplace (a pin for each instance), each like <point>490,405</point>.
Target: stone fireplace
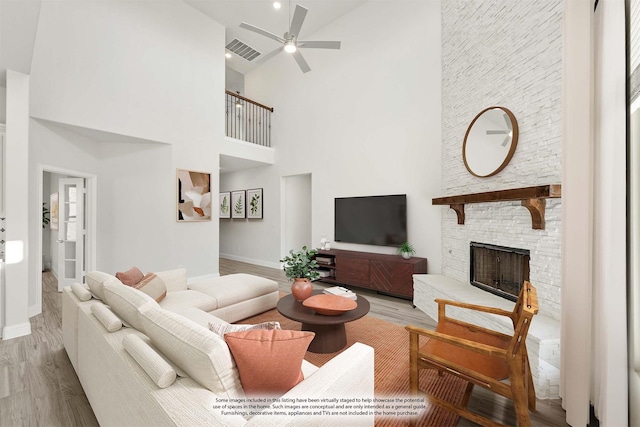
<point>473,79</point>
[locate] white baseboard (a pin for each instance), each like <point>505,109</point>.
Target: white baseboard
<point>15,331</point>
<point>261,263</point>
<point>198,279</point>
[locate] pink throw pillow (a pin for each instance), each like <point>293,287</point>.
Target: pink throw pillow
<point>130,277</point>
<point>153,286</point>
<point>269,361</point>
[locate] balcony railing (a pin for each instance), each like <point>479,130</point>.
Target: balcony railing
<point>247,120</point>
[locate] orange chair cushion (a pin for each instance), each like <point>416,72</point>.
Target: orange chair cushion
<point>491,366</point>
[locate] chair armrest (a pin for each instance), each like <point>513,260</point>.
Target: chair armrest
<point>348,375</point>
<point>475,307</point>
<point>459,342</point>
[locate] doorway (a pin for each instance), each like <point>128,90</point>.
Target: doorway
<point>296,212</point>
<point>68,247</point>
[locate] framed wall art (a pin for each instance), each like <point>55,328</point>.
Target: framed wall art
<point>238,202</point>
<point>193,196</point>
<point>225,204</point>
<point>53,211</point>
<point>254,203</point>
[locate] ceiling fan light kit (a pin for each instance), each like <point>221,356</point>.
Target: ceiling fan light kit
<point>290,43</point>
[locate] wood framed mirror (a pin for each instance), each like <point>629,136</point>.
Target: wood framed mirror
<point>490,141</point>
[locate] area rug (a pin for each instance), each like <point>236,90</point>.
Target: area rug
<point>391,360</point>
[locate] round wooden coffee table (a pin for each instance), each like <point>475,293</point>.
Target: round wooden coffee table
<point>331,335</point>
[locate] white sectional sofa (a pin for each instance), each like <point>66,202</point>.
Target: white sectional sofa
<point>166,368</point>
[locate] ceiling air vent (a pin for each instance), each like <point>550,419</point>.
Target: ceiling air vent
<point>242,50</point>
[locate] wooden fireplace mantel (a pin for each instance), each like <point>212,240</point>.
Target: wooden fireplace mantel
<point>532,198</point>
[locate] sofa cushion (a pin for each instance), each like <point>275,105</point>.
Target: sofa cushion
<point>235,288</point>
<point>153,364</point>
<point>175,280</point>
<point>96,280</point>
<point>153,286</point>
<point>128,302</point>
<point>198,316</point>
<point>203,355</point>
<point>130,277</point>
<point>269,361</point>
<point>179,300</point>
<point>222,328</point>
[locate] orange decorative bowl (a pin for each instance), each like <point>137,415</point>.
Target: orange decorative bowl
<point>329,305</point>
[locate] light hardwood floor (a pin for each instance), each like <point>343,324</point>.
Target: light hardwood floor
<point>39,387</point>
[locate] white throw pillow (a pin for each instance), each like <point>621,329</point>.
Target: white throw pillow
<point>203,355</point>
<point>81,292</point>
<point>110,321</point>
<point>128,303</point>
<point>153,364</point>
<point>96,281</point>
<point>225,328</point>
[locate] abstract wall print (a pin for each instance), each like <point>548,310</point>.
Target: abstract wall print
<point>225,205</point>
<point>254,203</point>
<point>53,211</point>
<point>194,196</point>
<point>238,208</point>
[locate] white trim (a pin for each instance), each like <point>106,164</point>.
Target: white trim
<point>577,211</point>
<point>259,262</point>
<point>15,331</point>
<point>91,186</point>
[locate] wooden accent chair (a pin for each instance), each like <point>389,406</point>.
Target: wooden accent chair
<point>480,356</point>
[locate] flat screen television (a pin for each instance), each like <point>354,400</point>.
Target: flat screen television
<point>372,220</point>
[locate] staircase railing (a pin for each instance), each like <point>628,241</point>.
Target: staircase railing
<point>247,119</point>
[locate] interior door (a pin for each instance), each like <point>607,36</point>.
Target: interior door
<point>71,234</point>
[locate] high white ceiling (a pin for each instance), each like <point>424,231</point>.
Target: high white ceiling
<point>261,13</point>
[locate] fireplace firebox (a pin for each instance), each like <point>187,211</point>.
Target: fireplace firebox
<point>499,269</point>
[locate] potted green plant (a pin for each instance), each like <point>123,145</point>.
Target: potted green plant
<point>301,267</point>
<point>406,250</point>
<point>45,215</point>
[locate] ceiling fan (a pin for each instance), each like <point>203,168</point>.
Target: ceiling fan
<point>290,42</point>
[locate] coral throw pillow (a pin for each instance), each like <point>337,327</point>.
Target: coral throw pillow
<point>153,286</point>
<point>269,361</point>
<point>130,277</point>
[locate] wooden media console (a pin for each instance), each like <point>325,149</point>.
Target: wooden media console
<point>386,274</point>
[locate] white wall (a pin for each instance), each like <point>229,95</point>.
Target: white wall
<point>159,77</point>
<point>234,80</point>
<point>3,105</point>
<point>150,70</point>
<point>253,240</point>
<point>507,54</point>
<point>55,146</point>
<point>297,212</point>
<point>17,288</point>
<point>364,121</point>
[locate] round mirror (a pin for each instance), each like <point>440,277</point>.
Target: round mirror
<point>490,141</point>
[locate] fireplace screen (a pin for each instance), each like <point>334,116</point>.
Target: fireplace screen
<point>499,269</point>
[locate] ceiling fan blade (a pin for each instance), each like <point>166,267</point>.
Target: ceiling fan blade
<point>264,58</point>
<point>298,19</point>
<point>262,32</point>
<point>319,44</point>
<point>301,62</point>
